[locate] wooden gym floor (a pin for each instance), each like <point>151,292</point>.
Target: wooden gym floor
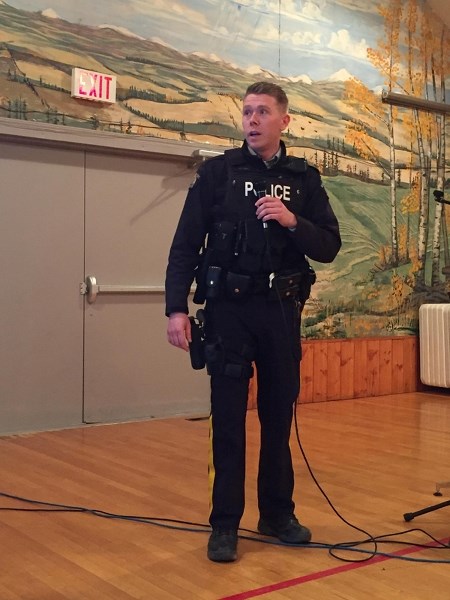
<point>376,459</point>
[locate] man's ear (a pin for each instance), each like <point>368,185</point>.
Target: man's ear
<point>285,121</point>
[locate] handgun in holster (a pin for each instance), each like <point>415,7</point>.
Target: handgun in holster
<point>197,346</point>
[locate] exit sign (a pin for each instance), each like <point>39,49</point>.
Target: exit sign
<point>90,85</point>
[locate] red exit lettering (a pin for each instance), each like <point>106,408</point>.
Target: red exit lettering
<point>93,86</point>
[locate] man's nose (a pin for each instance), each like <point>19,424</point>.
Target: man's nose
<point>254,117</point>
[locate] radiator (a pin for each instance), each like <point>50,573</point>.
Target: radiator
<point>434,343</point>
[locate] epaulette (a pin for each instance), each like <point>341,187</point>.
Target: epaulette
<point>314,168</point>
<point>234,156</point>
<point>297,165</point>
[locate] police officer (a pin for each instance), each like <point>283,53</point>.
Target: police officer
<point>262,213</point>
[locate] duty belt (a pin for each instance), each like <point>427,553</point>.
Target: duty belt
<point>221,283</point>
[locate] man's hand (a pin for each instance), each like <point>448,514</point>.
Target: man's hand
<point>179,331</point>
<point>272,208</point>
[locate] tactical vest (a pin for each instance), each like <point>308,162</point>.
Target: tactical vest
<point>238,241</point>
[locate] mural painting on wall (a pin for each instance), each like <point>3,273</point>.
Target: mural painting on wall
<point>181,70</point>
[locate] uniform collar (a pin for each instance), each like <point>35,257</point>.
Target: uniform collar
<point>279,156</point>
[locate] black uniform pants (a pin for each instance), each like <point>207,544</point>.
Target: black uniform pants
<point>267,332</point>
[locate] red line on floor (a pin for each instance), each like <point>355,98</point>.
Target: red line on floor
<point>282,585</point>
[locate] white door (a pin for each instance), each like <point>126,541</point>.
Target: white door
<point>130,370</point>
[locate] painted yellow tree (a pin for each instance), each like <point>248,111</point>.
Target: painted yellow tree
<point>426,44</point>
<point>414,58</point>
<point>409,206</point>
<point>386,59</point>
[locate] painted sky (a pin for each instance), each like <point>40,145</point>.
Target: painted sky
<point>291,38</point>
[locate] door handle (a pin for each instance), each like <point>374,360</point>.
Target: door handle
<point>91,289</point>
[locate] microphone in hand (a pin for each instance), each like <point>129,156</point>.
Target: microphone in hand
<point>260,191</point>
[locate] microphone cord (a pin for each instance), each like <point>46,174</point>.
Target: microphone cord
<point>260,192</point>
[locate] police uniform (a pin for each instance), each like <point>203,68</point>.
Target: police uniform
<point>254,279</point>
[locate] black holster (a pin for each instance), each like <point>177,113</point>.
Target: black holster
<point>197,346</point>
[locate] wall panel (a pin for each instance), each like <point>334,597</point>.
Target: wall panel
<point>356,368</point>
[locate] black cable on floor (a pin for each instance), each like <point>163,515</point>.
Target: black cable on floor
<point>353,546</point>
<point>193,527</point>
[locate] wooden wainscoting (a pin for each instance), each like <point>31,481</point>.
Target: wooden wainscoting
<point>356,368</point>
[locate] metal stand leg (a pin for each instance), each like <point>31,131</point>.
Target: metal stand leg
<point>410,516</point>
<point>442,484</point>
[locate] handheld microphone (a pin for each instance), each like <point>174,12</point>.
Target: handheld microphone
<point>260,191</point>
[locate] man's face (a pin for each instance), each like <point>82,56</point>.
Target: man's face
<point>263,120</point>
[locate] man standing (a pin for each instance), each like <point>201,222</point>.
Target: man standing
<point>262,213</point>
